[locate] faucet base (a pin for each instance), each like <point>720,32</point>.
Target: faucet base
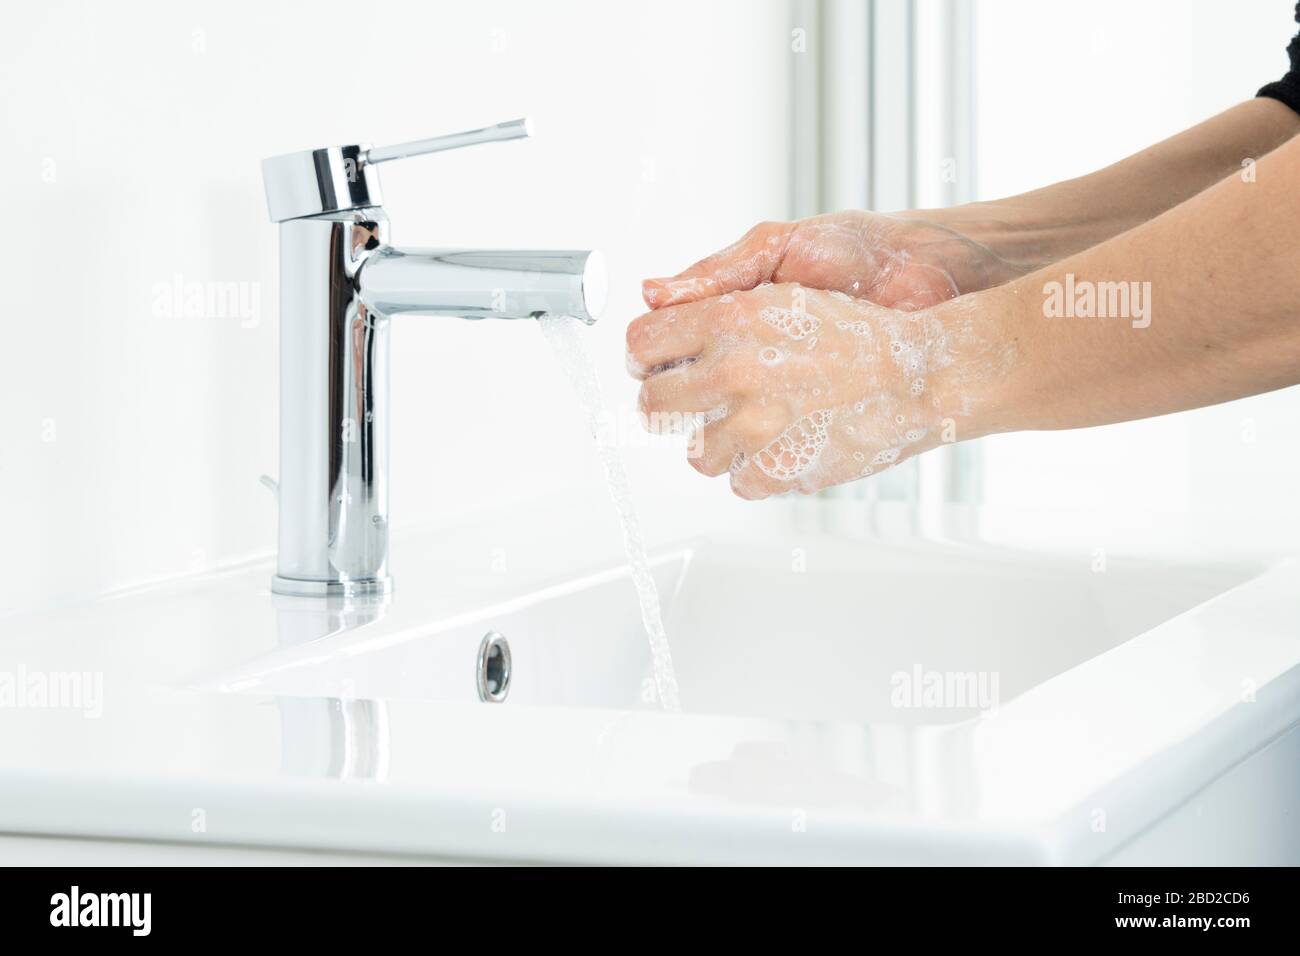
<point>363,587</point>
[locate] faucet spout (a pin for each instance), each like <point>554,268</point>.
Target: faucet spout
<point>483,284</point>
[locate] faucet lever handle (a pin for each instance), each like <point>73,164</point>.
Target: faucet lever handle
<point>340,178</point>
<point>513,129</point>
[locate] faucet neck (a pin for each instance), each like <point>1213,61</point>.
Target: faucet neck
<point>334,360</point>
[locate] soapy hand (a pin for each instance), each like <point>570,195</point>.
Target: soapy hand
<point>899,261</point>
<point>800,388</point>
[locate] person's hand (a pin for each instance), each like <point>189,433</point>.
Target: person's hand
<point>899,261</point>
<point>803,388</point>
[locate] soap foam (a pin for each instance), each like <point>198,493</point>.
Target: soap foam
<point>797,325</point>
<point>797,448</point>
<point>861,328</point>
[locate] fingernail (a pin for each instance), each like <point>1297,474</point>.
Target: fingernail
<point>652,290</point>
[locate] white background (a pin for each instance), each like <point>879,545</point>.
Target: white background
<point>131,442</point>
<point>661,134</point>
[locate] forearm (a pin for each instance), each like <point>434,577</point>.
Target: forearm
<point>1048,224</point>
<point>1214,314</point>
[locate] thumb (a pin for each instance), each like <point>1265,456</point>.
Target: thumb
<point>742,265</point>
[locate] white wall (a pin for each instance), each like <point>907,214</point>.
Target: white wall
<point>132,441</point>
<point>1063,89</point>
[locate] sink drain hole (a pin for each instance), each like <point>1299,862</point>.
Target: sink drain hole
<point>493,668</point>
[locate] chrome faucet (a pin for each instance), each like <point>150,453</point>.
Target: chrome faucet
<point>340,283</point>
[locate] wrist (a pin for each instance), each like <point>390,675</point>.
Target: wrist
<point>1028,232</point>
<point>983,244</point>
<point>988,383</point>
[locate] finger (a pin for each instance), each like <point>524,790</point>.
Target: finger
<point>748,482</point>
<point>698,388</point>
<point>669,337</point>
<point>751,260</point>
<point>721,445</point>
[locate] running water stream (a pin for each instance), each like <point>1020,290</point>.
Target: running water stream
<point>561,333</point>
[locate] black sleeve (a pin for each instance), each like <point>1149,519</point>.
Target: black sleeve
<point>1287,89</point>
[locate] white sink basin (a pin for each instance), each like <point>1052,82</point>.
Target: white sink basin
<point>810,627</point>
<point>574,643</point>
<point>1139,712</point>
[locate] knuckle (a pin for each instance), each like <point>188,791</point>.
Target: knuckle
<point>644,330</point>
<point>638,333</point>
<point>632,337</point>
<point>649,398</point>
<point>705,465</point>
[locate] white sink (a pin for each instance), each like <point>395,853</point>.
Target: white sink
<point>1126,702</point>
<point>810,627</point>
<point>573,643</point>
